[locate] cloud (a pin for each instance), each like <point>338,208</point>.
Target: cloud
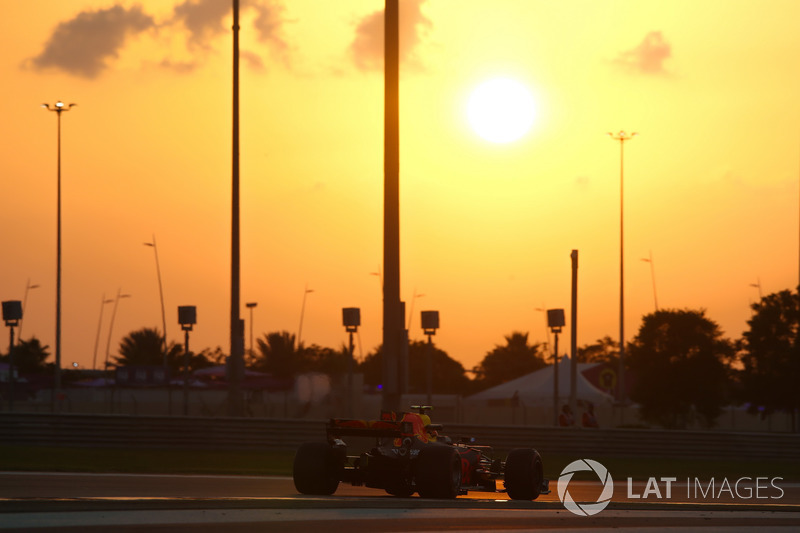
<point>253,60</point>
<point>648,57</point>
<point>203,19</point>
<point>82,46</point>
<point>182,67</point>
<point>367,46</point>
<point>269,26</point>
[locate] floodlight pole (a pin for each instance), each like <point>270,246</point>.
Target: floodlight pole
<point>555,321</point>
<point>12,315</point>
<point>621,137</point>
<point>250,306</point>
<point>28,287</point>
<point>351,319</point>
<point>111,324</point>
<point>235,400</point>
<point>555,331</point>
<point>187,317</point>
<point>430,323</point>
<point>186,358</point>
<point>573,334</point>
<point>154,246</point>
<point>103,303</point>
<point>11,378</point>
<point>302,314</point>
<point>652,276</point>
<point>393,326</point>
<point>429,367</point>
<point>164,350</point>
<point>58,107</point>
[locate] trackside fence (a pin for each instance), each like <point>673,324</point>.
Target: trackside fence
<point>198,433</point>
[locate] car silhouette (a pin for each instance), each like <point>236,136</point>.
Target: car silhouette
<point>409,455</point>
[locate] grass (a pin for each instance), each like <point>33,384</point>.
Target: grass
<point>272,462</point>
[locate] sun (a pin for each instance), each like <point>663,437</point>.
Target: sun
<point>501,110</point>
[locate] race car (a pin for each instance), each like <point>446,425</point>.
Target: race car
<point>409,455</point>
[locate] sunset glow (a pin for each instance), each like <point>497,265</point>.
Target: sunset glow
<point>501,110</point>
<point>486,226</point>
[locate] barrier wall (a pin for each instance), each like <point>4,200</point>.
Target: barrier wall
<point>148,432</point>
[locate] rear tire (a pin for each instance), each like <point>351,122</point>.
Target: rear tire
<point>438,472</point>
<point>524,474</point>
<point>316,469</point>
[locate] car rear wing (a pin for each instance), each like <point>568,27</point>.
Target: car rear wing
<point>342,427</point>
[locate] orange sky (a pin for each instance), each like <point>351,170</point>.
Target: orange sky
<point>711,182</point>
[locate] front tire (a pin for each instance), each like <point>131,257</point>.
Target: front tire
<point>524,474</point>
<point>438,472</point>
<point>316,469</point>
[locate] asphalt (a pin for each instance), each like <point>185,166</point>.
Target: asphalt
<point>126,502</point>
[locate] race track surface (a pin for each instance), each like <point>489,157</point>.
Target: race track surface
<point>127,502</point>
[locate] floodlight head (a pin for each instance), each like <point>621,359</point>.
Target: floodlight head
<point>12,312</point>
<point>430,322</point>
<point>351,319</point>
<point>555,319</point>
<point>187,317</point>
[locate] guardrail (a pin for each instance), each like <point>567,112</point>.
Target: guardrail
<point>122,431</point>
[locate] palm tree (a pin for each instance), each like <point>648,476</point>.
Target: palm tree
<point>29,357</point>
<point>278,356</point>
<point>507,362</point>
<point>145,348</point>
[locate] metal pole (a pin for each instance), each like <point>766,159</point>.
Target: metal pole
<point>555,382</point>
<point>235,400</point>
<point>186,373</point>
<point>302,313</point>
<point>251,329</point>
<point>11,378</point>
<point>621,277</point>
<point>621,137</point>
<point>111,327</point>
<point>393,326</point>
<point>350,377</point>
<point>653,277</point>
<point>573,334</point>
<point>163,322</point>
<point>58,108</point>
<point>429,372</point>
<point>28,287</point>
<point>57,381</point>
<point>103,303</point>
<point>161,295</point>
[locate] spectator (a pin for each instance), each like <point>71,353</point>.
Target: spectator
<point>565,419</point>
<point>588,419</point>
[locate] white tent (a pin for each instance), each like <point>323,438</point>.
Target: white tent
<point>536,388</point>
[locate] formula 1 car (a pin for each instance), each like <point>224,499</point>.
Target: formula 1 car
<point>410,456</point>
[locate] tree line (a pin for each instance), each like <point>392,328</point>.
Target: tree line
<point>684,367</point>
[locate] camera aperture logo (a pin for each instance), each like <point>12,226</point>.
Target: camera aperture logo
<point>585,509</point>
